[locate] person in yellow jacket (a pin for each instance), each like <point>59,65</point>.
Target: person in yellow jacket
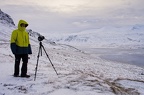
<point>20,47</point>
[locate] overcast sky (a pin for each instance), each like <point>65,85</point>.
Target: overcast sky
<point>74,15</point>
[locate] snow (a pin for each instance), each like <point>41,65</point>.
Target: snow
<point>131,36</point>
<point>134,84</point>
<point>79,73</point>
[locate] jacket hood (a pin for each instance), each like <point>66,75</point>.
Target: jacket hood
<point>22,28</point>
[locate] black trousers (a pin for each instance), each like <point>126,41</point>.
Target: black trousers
<point>18,58</point>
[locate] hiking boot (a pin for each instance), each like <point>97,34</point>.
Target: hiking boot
<point>16,75</point>
<point>26,76</point>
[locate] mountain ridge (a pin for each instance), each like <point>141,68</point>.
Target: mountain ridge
<point>6,19</point>
<point>131,36</point>
<point>105,37</point>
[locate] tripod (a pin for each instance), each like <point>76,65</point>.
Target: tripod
<point>40,51</point>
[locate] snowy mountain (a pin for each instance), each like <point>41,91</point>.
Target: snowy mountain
<point>79,73</point>
<point>6,19</point>
<point>6,27</point>
<point>124,37</point>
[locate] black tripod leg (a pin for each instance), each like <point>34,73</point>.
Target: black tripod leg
<point>37,62</point>
<point>49,59</point>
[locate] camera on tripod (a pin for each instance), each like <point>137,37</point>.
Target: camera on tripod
<point>40,38</point>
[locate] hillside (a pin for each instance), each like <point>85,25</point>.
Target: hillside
<point>79,73</point>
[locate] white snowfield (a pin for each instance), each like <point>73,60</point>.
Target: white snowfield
<point>79,73</point>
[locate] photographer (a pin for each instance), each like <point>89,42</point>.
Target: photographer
<point>20,47</point>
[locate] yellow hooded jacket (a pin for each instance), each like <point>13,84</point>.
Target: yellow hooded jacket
<point>20,43</point>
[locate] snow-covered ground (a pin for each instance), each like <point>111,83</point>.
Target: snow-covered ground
<point>79,73</point>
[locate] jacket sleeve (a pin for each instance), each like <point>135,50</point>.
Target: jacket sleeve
<point>29,46</point>
<point>29,49</point>
<point>13,42</point>
<point>13,48</point>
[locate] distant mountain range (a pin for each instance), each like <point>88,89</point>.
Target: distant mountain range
<point>129,36</point>
<point>109,36</point>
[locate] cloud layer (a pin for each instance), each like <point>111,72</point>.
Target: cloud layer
<point>74,15</point>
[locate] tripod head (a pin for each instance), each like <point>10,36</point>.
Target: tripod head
<point>40,38</point>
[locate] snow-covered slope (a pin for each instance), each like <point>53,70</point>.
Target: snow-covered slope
<point>5,32</point>
<point>6,19</point>
<point>6,27</point>
<point>78,73</point>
